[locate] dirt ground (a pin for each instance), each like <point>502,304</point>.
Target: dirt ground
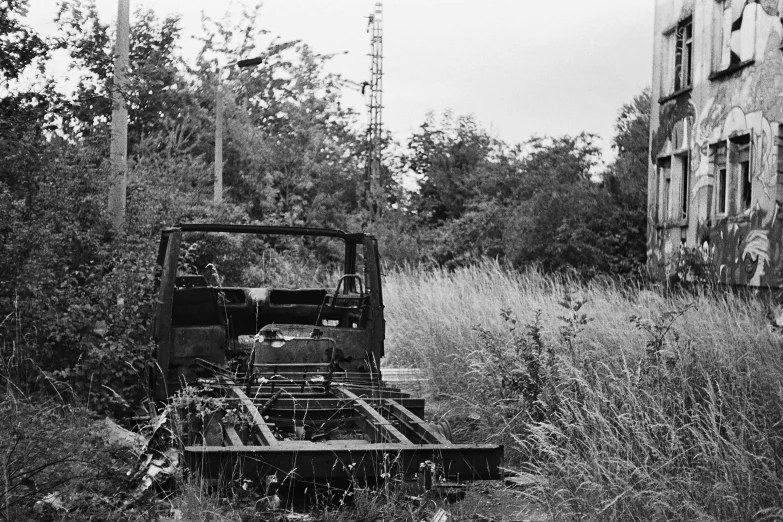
<point>493,501</point>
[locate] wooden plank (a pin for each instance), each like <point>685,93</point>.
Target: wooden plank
<point>233,436</point>
<point>266,436</point>
<point>424,429</point>
<point>381,427</point>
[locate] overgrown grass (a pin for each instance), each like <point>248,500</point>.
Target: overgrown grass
<point>633,405</point>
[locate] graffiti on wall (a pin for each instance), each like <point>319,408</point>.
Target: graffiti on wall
<point>746,246</point>
<point>744,252</point>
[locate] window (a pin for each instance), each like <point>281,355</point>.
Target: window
<point>683,56</point>
<point>733,171</point>
<point>677,58</point>
<point>665,177</point>
<point>674,187</point>
<point>741,149</point>
<point>721,179</point>
<point>684,185</point>
<point>734,25</point>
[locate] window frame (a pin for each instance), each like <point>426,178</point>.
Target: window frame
<point>743,167</point>
<point>732,168</point>
<point>684,162</point>
<point>720,170</point>
<point>664,170</point>
<point>725,60</point>
<point>683,54</point>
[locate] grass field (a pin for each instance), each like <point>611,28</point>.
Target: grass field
<point>632,405</point>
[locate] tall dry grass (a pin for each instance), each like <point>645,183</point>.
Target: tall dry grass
<point>632,404</point>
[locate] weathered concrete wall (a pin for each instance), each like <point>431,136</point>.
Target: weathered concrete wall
<point>736,93</point>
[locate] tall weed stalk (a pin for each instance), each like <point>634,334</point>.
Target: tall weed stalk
<point>633,405</point>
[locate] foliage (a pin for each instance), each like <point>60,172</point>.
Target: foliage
<point>154,94</point>
<point>667,405</point>
<point>56,453</point>
<point>626,184</point>
<point>19,45</point>
<point>539,203</point>
<point>514,372</point>
<point>457,163</point>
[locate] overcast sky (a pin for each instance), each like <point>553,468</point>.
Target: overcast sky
<point>521,67</point>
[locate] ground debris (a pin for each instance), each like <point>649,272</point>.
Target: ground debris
<point>115,434</point>
<point>51,502</point>
<point>441,516</point>
<point>155,468</point>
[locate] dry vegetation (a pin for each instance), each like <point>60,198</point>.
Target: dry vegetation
<point>632,405</point>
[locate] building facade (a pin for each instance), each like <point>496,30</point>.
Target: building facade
<point>716,139</point>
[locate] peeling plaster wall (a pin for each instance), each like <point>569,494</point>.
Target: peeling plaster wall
<point>743,247</point>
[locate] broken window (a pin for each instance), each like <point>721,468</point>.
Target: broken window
<point>740,147</point>
<point>721,179</point>
<point>665,177</point>
<point>684,168</point>
<point>674,184</point>
<point>734,25</point>
<point>683,56</point>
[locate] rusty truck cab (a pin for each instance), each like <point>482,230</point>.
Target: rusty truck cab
<point>201,325</point>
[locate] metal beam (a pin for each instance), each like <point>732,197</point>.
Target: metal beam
<point>380,426</point>
<point>233,436</point>
<point>423,429</point>
<point>265,434</point>
<point>308,460</point>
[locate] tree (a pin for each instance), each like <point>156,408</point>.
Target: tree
<point>157,93</point>
<point>459,164</point>
<point>24,109</point>
<point>293,154</point>
<point>566,219</point>
<point>19,45</point>
<point>626,183</point>
<point>554,221</point>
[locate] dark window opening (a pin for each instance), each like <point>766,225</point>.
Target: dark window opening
<point>745,173</point>
<point>683,57</point>
<point>665,177</point>
<point>721,178</point>
<point>684,196</point>
<point>742,144</point>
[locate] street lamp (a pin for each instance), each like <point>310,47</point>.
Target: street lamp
<point>250,62</point>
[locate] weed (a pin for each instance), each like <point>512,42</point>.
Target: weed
<point>671,415</point>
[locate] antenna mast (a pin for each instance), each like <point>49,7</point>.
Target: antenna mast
<point>375,193</point>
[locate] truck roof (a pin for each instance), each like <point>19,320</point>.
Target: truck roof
<point>270,230</point>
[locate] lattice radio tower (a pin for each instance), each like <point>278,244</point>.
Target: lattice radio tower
<point>375,105</point>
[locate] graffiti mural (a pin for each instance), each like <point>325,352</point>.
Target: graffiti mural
<point>733,110</point>
<point>745,253</point>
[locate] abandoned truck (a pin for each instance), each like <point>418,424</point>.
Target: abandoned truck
<point>291,356</point>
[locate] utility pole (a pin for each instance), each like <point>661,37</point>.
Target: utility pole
<point>250,62</point>
<point>119,119</point>
<point>375,192</point>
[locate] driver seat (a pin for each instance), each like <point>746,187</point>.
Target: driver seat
<point>346,307</point>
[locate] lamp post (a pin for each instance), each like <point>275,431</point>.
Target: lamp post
<point>250,62</point>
